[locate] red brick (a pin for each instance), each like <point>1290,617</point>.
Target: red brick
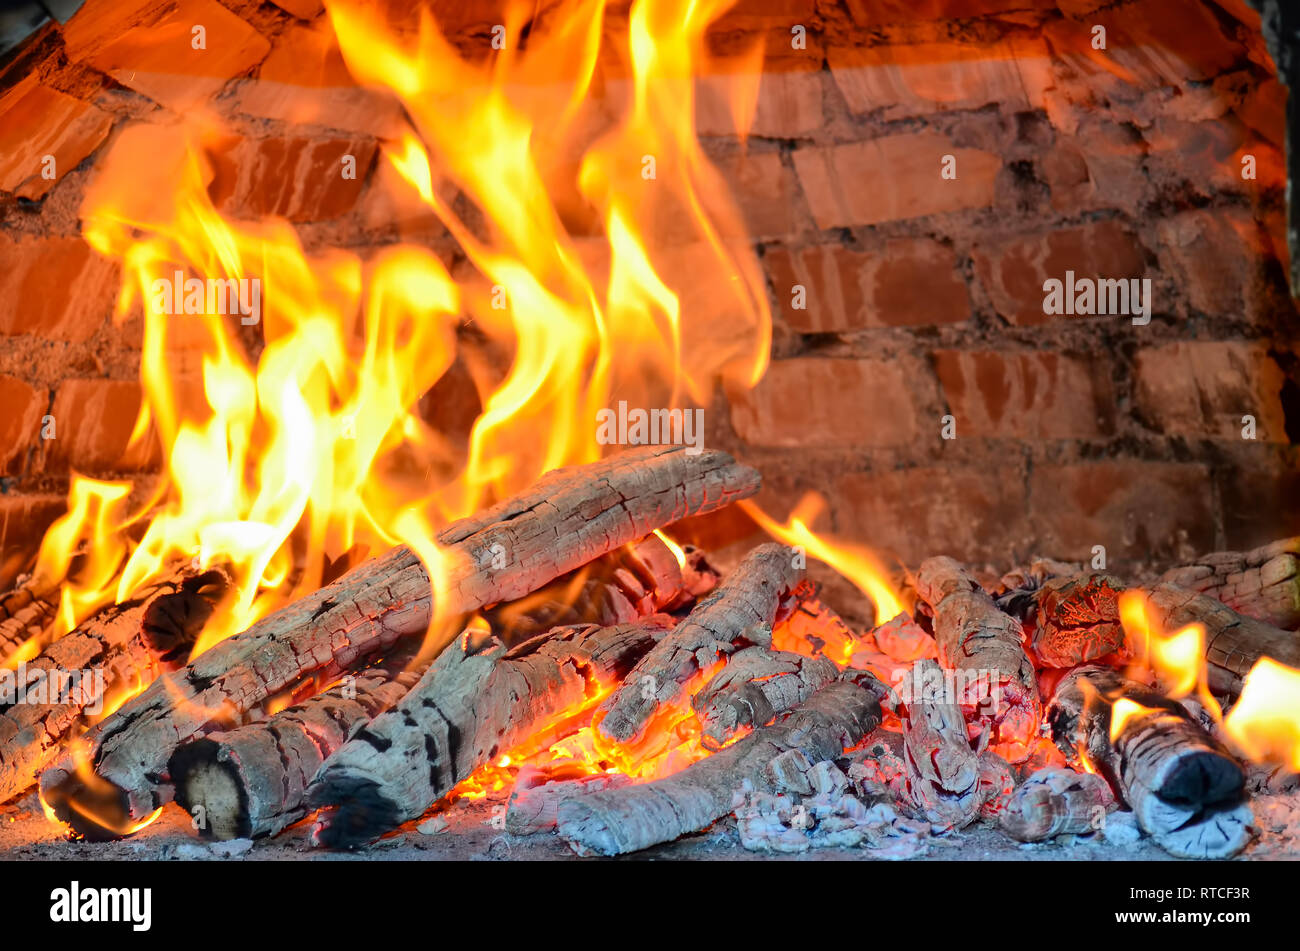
<point>1218,259</point>
<point>911,282</point>
<point>36,121</point>
<point>297,178</point>
<point>146,46</point>
<point>305,81</point>
<point>21,407</point>
<point>1202,389</point>
<point>814,401</point>
<point>1257,486</point>
<point>922,78</point>
<point>93,422</point>
<point>23,521</point>
<point>893,178</point>
<point>789,100</point>
<point>1139,511</point>
<point>1014,273</point>
<point>1038,395</point>
<point>58,288</point>
<point>970,513</point>
<point>765,190</point>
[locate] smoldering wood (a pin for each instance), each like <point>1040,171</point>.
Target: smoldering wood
<point>1185,788</point>
<point>973,634</point>
<point>756,684</point>
<point>740,613</point>
<point>1055,802</point>
<point>474,703</point>
<point>567,518</point>
<point>618,821</point>
<point>251,781</point>
<point>1263,583</point>
<point>1233,642</point>
<point>25,614</point>
<point>949,783</point>
<point>1076,620</point>
<point>116,647</point>
<point>535,800</point>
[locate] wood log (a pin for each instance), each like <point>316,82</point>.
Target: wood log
<point>1184,787</point>
<point>950,783</point>
<point>25,613</point>
<point>1233,643</point>
<point>120,646</point>
<point>754,686</point>
<point>1263,583</point>
<point>535,801</point>
<point>617,821</point>
<point>1076,620</point>
<point>1055,802</point>
<point>251,781</point>
<point>974,635</point>
<point>475,702</point>
<point>569,517</point>
<point>740,613</point>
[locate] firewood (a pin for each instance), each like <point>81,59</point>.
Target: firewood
<point>535,801</point>
<point>505,552</point>
<point>251,781</point>
<point>740,613</point>
<point>1055,802</point>
<point>617,821</point>
<point>974,635</point>
<point>112,651</point>
<point>25,613</point>
<point>1263,583</point>
<point>475,702</point>
<point>1233,643</point>
<point>950,783</point>
<point>754,687</point>
<point>1184,787</point>
<point>1076,620</point>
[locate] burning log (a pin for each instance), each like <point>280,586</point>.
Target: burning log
<point>617,821</point>
<point>568,518</point>
<point>118,647</point>
<point>1055,802</point>
<point>738,614</point>
<point>1233,643</point>
<point>25,613</point>
<point>476,701</point>
<point>754,687</point>
<point>974,635</point>
<point>1184,787</point>
<point>948,782</point>
<point>1263,584</point>
<point>535,801</point>
<point>251,781</point>
<point>1077,620</point>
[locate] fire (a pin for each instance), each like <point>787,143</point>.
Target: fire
<point>854,562</point>
<point>1265,721</point>
<point>678,552</point>
<point>99,806</point>
<point>1122,712</point>
<point>1177,660</point>
<point>282,382</point>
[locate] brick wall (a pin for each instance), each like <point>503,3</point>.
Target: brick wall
<point>922,295</point>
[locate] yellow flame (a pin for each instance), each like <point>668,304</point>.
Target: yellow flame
<point>1265,721</point>
<point>1123,711</point>
<point>1177,660</point>
<point>678,551</point>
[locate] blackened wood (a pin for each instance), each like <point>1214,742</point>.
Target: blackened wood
<point>25,613</point>
<point>1077,620</point>
<point>1263,583</point>
<point>1055,802</point>
<point>535,800</point>
<point>617,821</point>
<point>756,684</point>
<point>740,613</point>
<point>505,552</point>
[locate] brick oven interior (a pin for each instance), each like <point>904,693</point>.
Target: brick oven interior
<point>916,380</point>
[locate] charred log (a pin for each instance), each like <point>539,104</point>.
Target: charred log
<point>1055,802</point>
<point>1077,620</point>
<point>1263,583</point>
<point>754,687</point>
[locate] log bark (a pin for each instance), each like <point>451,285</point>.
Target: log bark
<point>474,703</point>
<point>1263,583</point>
<point>535,801</point>
<point>949,783</point>
<point>1233,643</point>
<point>974,635</point>
<point>617,821</point>
<point>25,613</point>
<point>1184,787</point>
<point>569,517</point>
<point>740,613</point>
<point>251,781</point>
<point>1055,802</point>
<point>1076,620</point>
<point>754,687</point>
<point>118,647</point>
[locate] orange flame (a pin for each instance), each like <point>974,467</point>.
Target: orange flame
<point>1265,721</point>
<point>1177,660</point>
